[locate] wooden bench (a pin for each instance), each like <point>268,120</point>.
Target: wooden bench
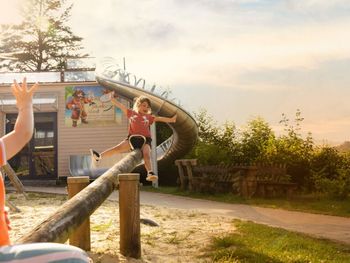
<point>216,179</point>
<point>184,167</point>
<point>237,179</point>
<point>273,181</point>
<point>261,180</point>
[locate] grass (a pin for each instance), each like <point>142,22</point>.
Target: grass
<point>256,243</point>
<point>101,227</point>
<point>176,238</point>
<point>303,203</point>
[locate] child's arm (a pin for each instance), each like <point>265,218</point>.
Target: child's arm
<point>23,131</point>
<point>120,105</point>
<point>166,119</point>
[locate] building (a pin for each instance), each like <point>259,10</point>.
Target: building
<point>57,135</point>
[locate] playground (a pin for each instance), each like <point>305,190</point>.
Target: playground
<point>186,226</point>
<point>84,163</point>
<point>181,236</point>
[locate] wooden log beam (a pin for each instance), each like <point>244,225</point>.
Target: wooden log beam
<point>58,226</point>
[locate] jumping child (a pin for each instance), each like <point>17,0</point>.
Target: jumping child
<point>140,120</point>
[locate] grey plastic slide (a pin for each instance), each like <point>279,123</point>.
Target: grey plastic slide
<point>80,165</point>
<point>185,130</point>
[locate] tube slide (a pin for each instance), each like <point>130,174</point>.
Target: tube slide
<point>185,130</point>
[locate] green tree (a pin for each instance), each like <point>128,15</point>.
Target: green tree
<point>42,41</point>
<point>215,144</point>
<point>256,140</point>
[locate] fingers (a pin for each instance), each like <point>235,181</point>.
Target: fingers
<point>33,88</point>
<point>16,88</point>
<point>24,84</point>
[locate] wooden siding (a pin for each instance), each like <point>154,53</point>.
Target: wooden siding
<point>74,140</point>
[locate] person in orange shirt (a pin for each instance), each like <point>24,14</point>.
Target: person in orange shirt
<point>10,144</point>
<point>140,120</point>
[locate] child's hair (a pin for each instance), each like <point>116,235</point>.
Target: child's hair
<point>139,101</point>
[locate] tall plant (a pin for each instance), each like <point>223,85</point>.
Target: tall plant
<point>42,41</point>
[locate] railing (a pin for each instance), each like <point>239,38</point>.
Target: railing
<point>48,77</point>
<point>164,147</point>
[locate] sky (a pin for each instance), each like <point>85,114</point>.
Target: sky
<point>238,59</point>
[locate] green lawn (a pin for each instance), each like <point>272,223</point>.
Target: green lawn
<point>251,242</point>
<point>305,203</point>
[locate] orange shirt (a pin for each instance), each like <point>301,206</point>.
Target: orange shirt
<point>4,233</point>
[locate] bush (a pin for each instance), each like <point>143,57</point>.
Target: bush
<point>331,173</point>
<point>323,170</point>
<point>338,187</point>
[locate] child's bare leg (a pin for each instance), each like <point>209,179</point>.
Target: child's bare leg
<point>121,147</point>
<point>146,152</point>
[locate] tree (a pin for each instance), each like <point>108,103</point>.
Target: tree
<point>215,144</point>
<point>43,41</point>
<point>256,140</point>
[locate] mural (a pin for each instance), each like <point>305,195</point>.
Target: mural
<point>90,106</point>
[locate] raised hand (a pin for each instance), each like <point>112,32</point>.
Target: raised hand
<point>23,95</point>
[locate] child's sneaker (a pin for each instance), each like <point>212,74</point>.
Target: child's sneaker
<point>95,158</point>
<point>151,176</point>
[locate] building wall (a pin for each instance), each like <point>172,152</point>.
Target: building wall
<point>71,140</point>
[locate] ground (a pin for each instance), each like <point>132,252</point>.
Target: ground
<point>182,235</point>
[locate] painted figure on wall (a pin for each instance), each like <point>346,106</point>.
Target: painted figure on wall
<point>90,106</point>
<point>77,105</point>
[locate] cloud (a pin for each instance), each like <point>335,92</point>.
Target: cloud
<point>324,5</point>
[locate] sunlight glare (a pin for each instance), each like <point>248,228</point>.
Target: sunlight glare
<point>9,13</point>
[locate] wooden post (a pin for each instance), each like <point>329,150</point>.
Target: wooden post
<point>178,163</point>
<point>58,226</point>
<point>81,236</point>
<point>129,215</point>
<point>188,165</point>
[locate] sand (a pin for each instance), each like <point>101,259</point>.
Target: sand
<point>182,235</point>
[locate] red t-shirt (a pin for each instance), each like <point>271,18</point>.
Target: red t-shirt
<point>139,123</point>
<point>4,234</point>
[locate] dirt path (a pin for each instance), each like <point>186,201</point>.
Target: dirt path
<point>330,227</point>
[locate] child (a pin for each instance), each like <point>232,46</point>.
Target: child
<point>139,136</point>
<point>10,144</point>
